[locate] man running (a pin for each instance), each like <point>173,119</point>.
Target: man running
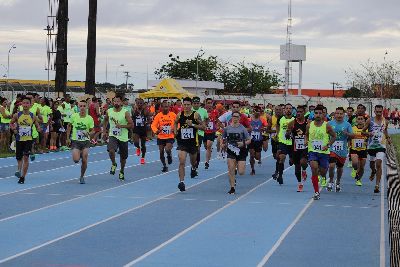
<point>339,150</point>
<point>272,123</point>
<point>140,119</point>
<point>82,126</point>
<point>120,122</point>
<point>211,129</point>
<point>378,137</point>
<point>358,150</point>
<point>255,147</point>
<point>297,129</point>
<point>204,117</point>
<point>235,140</point>
<point>320,136</point>
<point>285,141</point>
<point>187,123</point>
<point>22,124</point>
<point>163,126</point>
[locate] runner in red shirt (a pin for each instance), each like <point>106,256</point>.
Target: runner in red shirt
<point>94,112</point>
<point>211,129</point>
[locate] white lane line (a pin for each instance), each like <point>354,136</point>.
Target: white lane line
<point>382,255</point>
<point>91,194</point>
<point>55,194</point>
<point>102,221</point>
<point>283,236</point>
<point>68,180</point>
<point>364,207</point>
<point>136,197</point>
<point>255,202</point>
<point>63,167</point>
<point>346,206</point>
<point>329,205</point>
<point>193,226</point>
<point>284,203</point>
<point>27,193</point>
<point>211,200</point>
<point>189,199</point>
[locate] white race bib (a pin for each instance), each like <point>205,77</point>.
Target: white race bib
<point>187,133</point>
<point>25,131</point>
<point>116,131</point>
<point>234,149</point>
<point>358,143</point>
<point>210,125</point>
<point>338,146</point>
<point>139,121</point>
<point>166,129</point>
<point>377,138</point>
<point>299,143</point>
<point>81,135</point>
<point>317,145</point>
<point>255,135</point>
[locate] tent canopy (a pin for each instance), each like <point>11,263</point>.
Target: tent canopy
<point>167,88</point>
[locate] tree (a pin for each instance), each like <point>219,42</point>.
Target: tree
<point>242,78</point>
<point>353,92</point>
<point>375,79</point>
<point>91,49</point>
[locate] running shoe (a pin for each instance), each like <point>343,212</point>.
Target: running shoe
<point>142,161</point>
<point>329,187</point>
<point>121,176</point>
<point>317,196</point>
<point>82,180</point>
<point>353,173</point>
<point>33,157</point>
<point>323,182</point>
<point>181,186</point>
<point>165,169</point>
<point>206,165</point>
<point>253,172</point>
<point>280,179</point>
<point>300,188</point>
<point>235,171</point>
<point>358,182</point>
<point>193,173</point>
<point>319,178</point>
<point>349,165</point>
<point>21,180</point>
<point>169,159</point>
<point>304,175</point>
<point>376,190</point>
<point>113,168</point>
<point>18,174</point>
<point>137,151</point>
<point>338,188</point>
<point>232,191</point>
<point>274,176</point>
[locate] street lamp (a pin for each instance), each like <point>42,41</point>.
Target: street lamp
<point>8,67</point>
<point>197,67</point>
<point>116,77</point>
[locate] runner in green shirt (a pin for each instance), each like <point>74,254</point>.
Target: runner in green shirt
<point>46,112</point>
<point>82,126</point>
<point>204,117</point>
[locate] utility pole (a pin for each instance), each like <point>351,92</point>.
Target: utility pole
<point>333,87</point>
<point>127,76</point>
<point>61,57</point>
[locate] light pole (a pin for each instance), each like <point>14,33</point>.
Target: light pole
<point>8,67</point>
<point>197,67</point>
<point>116,77</point>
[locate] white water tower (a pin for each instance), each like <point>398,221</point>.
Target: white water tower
<point>293,53</point>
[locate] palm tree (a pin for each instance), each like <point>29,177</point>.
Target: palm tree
<point>91,49</point>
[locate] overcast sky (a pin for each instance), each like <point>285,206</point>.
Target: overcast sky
<point>140,33</point>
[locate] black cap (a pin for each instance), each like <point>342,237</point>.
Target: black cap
<point>196,99</point>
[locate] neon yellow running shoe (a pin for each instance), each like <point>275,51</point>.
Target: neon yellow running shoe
<point>323,182</point>
<point>358,183</point>
<point>353,173</point>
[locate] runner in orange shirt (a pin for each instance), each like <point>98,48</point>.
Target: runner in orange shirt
<point>162,126</point>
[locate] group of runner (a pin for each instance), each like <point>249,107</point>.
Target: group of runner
<point>307,136</point>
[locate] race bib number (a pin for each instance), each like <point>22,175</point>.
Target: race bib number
<point>299,143</point>
<point>139,121</point>
<point>166,129</point>
<point>81,135</point>
<point>255,135</point>
<point>187,133</point>
<point>116,131</point>
<point>210,126</point>
<point>234,149</point>
<point>377,138</point>
<point>358,143</point>
<point>317,145</point>
<point>338,146</point>
<point>25,131</point>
